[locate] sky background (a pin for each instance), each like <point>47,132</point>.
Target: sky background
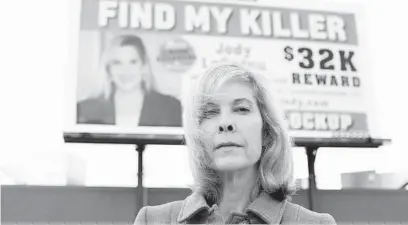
<point>37,50</point>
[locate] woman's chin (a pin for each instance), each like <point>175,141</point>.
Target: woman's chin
<point>229,165</point>
<point>126,87</point>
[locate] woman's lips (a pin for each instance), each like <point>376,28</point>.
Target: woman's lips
<point>227,144</point>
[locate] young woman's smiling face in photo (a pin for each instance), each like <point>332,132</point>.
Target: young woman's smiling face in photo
<point>232,126</point>
<point>126,68</point>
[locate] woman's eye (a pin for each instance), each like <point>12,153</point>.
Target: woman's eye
<point>243,109</point>
<point>211,112</point>
<point>208,114</point>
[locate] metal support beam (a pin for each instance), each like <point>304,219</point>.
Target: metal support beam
<point>140,188</point>
<point>311,153</point>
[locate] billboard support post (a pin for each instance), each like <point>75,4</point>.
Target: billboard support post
<point>311,153</point>
<point>140,188</point>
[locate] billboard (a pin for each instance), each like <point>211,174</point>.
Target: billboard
<point>136,58</point>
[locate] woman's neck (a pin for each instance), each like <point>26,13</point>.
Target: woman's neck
<point>238,190</point>
<point>128,107</point>
<point>136,92</point>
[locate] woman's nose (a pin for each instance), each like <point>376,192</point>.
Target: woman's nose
<point>227,128</point>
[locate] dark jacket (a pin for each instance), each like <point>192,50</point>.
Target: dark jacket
<point>157,110</point>
<point>264,209</point>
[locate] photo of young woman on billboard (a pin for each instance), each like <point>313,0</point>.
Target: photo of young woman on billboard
<point>125,91</point>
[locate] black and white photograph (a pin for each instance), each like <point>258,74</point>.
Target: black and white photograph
<point>204,112</point>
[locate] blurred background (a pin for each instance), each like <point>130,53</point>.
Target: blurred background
<point>37,44</point>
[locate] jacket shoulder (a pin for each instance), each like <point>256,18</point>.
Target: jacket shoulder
<point>161,110</point>
<point>162,99</point>
<point>95,111</point>
<point>159,214</point>
<point>297,214</point>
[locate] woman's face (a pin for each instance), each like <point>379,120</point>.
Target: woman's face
<point>232,127</point>
<point>126,68</point>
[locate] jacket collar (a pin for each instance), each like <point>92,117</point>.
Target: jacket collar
<point>191,206</point>
<point>267,208</point>
<point>264,206</point>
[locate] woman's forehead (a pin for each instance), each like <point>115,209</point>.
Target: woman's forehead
<point>125,50</point>
<point>230,91</point>
<point>234,88</point>
<point>229,98</point>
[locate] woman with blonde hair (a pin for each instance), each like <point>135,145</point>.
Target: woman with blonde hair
<point>241,156</point>
<point>124,90</point>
